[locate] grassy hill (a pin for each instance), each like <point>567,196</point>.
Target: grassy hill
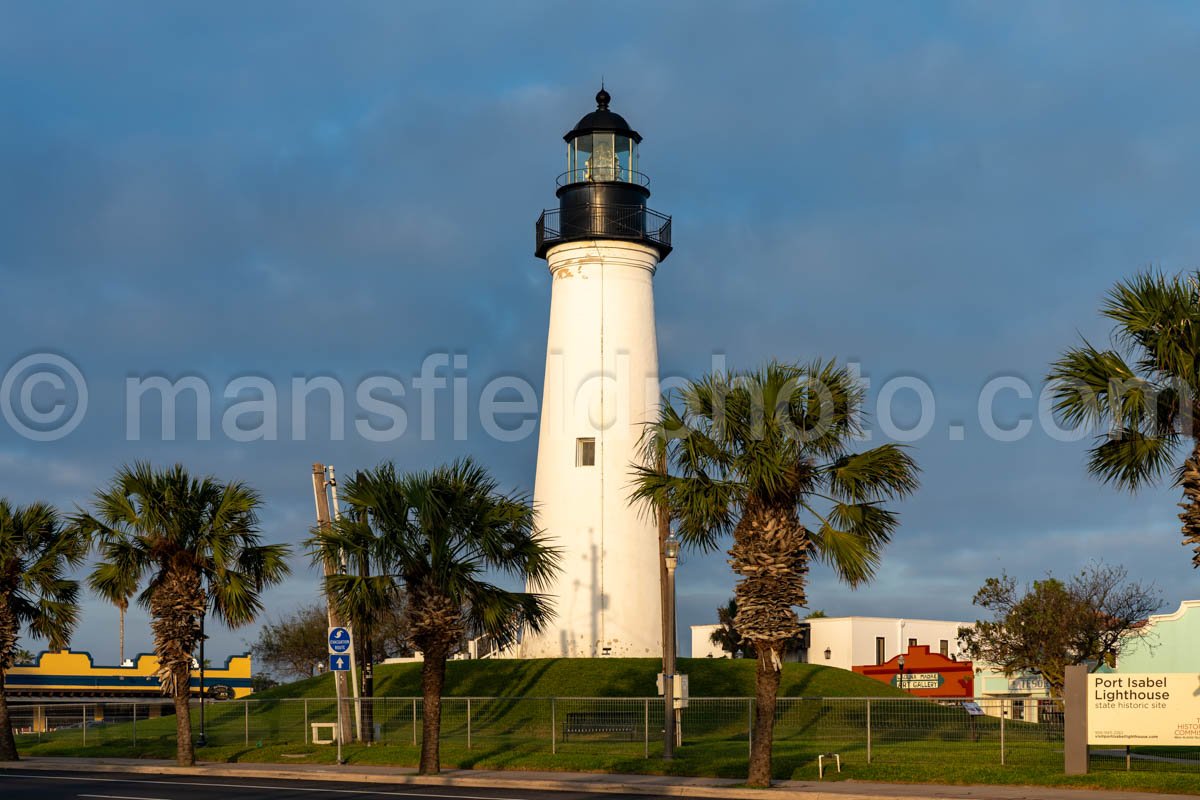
<point>599,677</point>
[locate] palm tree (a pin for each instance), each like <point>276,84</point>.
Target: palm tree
<point>361,595</point>
<point>36,550</point>
<point>726,635</point>
<point>196,544</point>
<point>765,456</point>
<point>1145,389</point>
<point>439,534</point>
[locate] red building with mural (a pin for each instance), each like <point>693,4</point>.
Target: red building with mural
<point>925,674</point>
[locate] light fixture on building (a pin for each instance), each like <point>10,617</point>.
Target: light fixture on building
<point>828,654</point>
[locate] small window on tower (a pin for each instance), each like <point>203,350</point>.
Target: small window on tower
<point>585,452</point>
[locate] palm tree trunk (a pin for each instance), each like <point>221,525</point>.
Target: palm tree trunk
<point>766,689</point>
<point>1190,481</point>
<point>185,754</point>
<point>433,679</point>
<point>366,671</point>
<point>8,742</point>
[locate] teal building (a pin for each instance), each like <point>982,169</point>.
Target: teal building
<point>1171,643</point>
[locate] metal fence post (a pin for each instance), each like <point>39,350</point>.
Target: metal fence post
<point>85,724</point>
<point>868,731</point>
<point>246,705</point>
<point>468,723</point>
<point>1003,714</point>
<point>553,726</point>
<point>135,723</point>
<point>414,722</point>
<point>306,729</point>
<point>646,726</point>
<point>750,728</point>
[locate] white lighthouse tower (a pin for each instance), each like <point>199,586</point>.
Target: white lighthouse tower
<point>603,246</point>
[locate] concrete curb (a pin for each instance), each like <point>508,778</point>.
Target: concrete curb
<point>607,784</point>
<point>654,785</point>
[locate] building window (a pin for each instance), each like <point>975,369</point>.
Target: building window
<point>880,644</point>
<point>912,642</point>
<point>585,452</point>
<point>944,647</point>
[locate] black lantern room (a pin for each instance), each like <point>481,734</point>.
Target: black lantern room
<point>602,195</point>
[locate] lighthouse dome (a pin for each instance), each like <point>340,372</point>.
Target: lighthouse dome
<point>602,119</point>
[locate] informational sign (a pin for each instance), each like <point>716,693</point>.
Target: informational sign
<point>339,640</point>
<point>339,663</point>
<point>917,680</point>
<point>972,709</point>
<point>1144,708</point>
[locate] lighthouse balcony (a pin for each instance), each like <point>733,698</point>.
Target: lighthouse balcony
<point>634,223</point>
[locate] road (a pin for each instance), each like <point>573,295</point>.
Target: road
<point>18,785</point>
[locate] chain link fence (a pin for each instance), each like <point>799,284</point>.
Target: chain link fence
<point>865,730</point>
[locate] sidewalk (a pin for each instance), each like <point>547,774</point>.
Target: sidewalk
<point>661,785</point>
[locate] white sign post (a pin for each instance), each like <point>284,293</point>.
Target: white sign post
<point>1160,708</point>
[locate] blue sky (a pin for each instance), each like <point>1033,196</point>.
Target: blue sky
<point>941,191</point>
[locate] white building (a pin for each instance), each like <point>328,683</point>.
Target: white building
<point>603,247</point>
<point>845,642</point>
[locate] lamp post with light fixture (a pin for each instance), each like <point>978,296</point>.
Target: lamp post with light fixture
<point>671,558</point>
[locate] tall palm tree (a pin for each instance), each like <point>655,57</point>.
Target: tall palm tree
<point>36,551</point>
<point>765,456</point>
<point>363,593</point>
<point>439,534</point>
<point>1144,389</point>
<point>196,544</point>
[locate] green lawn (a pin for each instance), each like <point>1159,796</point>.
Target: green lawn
<point>600,677</point>
<point>911,740</point>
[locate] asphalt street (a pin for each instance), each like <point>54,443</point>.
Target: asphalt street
<point>18,785</point>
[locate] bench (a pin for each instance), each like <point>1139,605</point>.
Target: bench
<point>582,722</point>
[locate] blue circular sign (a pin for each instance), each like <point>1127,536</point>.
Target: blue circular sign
<point>339,640</point>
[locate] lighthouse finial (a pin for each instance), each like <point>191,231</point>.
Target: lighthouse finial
<point>602,97</point>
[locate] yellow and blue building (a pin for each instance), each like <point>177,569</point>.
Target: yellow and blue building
<point>69,674</point>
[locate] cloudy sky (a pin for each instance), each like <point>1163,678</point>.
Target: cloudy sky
<point>938,192</point>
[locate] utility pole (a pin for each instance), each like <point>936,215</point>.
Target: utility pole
<point>345,733</point>
<point>331,481</point>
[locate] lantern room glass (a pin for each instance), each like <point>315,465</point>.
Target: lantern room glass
<point>602,156</point>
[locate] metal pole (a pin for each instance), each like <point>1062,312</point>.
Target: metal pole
<point>1003,714</point>
<point>553,726</point>
<point>868,731</point>
<point>247,708</point>
<point>135,723</point>
<point>750,727</point>
<point>85,725</point>
<point>341,727</point>
<point>669,666</point>
<point>414,722</point>
<point>306,721</point>
<point>646,728</point>
<point>468,723</point>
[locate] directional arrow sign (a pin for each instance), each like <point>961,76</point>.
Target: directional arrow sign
<point>339,663</point>
<point>339,640</point>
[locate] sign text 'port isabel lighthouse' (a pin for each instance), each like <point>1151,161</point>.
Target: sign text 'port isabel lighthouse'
<point>602,245</point>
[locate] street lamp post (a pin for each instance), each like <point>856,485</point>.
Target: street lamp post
<point>671,557</point>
